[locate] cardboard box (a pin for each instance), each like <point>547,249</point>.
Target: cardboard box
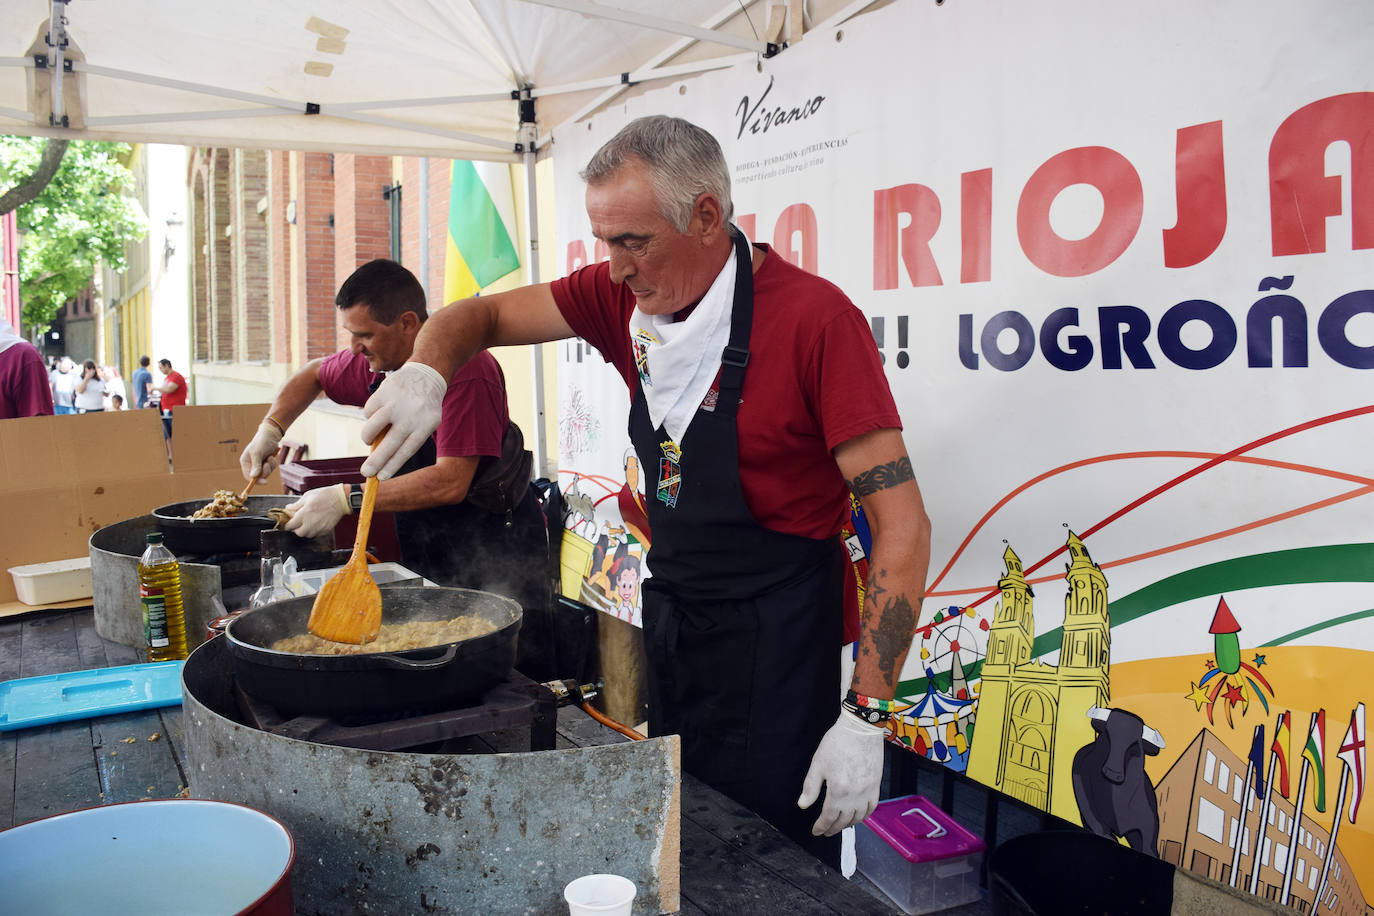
<point>211,438</point>
<point>64,478</point>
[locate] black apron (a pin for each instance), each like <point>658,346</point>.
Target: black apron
<point>463,546</point>
<point>742,624</point>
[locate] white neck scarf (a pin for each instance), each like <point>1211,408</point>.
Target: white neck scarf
<point>678,360</point>
<point>7,336</point>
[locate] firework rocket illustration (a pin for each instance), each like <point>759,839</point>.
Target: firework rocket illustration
<point>1228,673</point>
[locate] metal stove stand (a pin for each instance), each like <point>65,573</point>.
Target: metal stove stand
<point>515,702</point>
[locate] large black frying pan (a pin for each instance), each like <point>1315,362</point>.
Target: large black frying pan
<point>205,536</point>
<point>430,677</point>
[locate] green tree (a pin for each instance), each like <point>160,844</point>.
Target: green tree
<point>79,219</point>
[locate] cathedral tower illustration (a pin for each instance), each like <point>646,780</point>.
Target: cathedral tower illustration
<point>1032,717</point>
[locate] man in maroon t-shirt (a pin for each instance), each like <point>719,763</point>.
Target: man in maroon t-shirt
<point>24,387</point>
<point>443,534</point>
<point>749,456</point>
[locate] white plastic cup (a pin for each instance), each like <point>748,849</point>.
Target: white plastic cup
<point>602,895</point>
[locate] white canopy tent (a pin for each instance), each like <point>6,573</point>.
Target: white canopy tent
<point>471,79</point>
<point>420,77</point>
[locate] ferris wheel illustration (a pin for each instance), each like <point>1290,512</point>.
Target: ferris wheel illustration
<point>954,632</point>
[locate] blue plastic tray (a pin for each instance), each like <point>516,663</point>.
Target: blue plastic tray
<point>30,701</point>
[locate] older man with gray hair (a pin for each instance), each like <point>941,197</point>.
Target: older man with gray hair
<point>758,403</point>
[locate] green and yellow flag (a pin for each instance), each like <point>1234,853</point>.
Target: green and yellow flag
<point>481,228</point>
<point>1315,752</point>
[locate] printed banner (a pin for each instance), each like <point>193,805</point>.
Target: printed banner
<point>1119,262</point>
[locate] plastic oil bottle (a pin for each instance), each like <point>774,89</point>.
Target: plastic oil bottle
<point>159,590</point>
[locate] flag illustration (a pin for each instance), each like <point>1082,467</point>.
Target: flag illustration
<point>1283,740</point>
<point>1257,760</point>
<point>481,228</point>
<point>1315,754</point>
<point>1352,755</point>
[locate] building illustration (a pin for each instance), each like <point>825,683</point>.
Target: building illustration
<point>1033,717</point>
<point>1201,820</point>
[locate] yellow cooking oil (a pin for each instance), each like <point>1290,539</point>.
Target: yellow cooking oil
<point>159,591</point>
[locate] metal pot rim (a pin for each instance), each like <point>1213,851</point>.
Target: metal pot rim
<point>373,681</point>
<point>180,513</point>
<point>404,658</point>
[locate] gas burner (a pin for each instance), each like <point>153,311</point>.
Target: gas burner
<point>517,701</point>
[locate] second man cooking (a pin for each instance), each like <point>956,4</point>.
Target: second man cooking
<point>443,534</point>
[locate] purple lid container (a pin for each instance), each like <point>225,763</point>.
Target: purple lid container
<point>919,831</point>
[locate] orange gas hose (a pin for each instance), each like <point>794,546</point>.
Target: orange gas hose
<point>611,723</point>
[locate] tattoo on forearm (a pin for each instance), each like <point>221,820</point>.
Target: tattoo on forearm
<point>889,621</point>
<point>892,635</point>
<point>874,590</point>
<point>882,477</point>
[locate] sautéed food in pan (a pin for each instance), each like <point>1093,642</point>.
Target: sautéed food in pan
<point>394,637</point>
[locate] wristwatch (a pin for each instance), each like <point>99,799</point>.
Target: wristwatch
<point>355,497</point>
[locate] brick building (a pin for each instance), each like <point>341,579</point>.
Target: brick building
<point>272,234</point>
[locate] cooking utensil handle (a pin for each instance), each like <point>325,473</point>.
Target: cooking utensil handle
<point>359,554</point>
<point>415,664</point>
<point>364,522</point>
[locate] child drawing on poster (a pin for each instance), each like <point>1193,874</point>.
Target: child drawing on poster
<point>613,584</point>
<point>625,575</point>
<point>602,556</point>
<point>633,511</point>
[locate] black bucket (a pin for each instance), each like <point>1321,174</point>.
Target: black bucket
<point>1076,873</point>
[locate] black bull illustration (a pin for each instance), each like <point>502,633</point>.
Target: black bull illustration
<point>1115,797</point>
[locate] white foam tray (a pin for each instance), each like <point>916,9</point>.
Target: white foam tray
<point>49,583</point>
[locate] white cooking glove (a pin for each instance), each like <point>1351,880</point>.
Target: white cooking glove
<point>411,402</point>
<point>849,761</point>
<point>318,510</point>
<point>259,458</point>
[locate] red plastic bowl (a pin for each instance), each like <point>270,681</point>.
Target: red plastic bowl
<point>168,856</point>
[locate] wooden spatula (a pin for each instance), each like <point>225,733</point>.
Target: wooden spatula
<point>251,483</point>
<point>348,608</point>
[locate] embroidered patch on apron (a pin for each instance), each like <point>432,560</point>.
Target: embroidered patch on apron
<point>708,403</point>
<point>669,473</point>
<point>641,341</point>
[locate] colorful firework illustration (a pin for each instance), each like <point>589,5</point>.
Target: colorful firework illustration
<point>1230,680</point>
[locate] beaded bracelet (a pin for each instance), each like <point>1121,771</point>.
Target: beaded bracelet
<point>872,711</point>
<point>858,699</point>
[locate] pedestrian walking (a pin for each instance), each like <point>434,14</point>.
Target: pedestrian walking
<point>63,386</point>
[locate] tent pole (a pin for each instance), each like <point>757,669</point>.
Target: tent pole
<point>424,224</point>
<point>526,147</point>
<point>57,40</point>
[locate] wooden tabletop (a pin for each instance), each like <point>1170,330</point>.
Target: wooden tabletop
<point>733,863</point>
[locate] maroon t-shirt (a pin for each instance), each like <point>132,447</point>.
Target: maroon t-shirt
<point>24,388</point>
<point>815,380</point>
<point>475,413</point>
